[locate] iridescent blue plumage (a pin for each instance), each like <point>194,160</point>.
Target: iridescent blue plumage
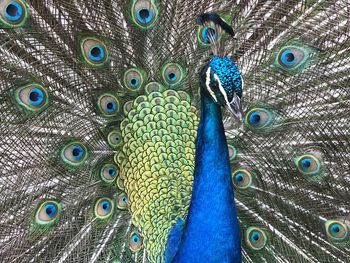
<point>229,75</point>
<point>212,232</point>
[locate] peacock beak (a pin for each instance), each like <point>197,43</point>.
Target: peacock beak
<point>235,108</point>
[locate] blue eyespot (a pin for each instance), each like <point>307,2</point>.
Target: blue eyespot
<point>207,34</point>
<point>48,213</point>
<point>104,208</point>
<point>114,139</point>
<point>14,11</point>
<point>97,53</point>
<point>77,152</point>
<point>36,97</point>
<point>144,13</point>
<point>135,242</point>
<point>172,76</point>
<point>94,51</point>
<point>255,118</point>
<point>288,57</point>
<point>112,172</point>
<point>135,239</point>
<point>337,231</point>
<point>111,106</point>
<point>108,173</point>
<point>255,238</point>
<point>108,105</point>
<point>173,73</point>
<point>134,82</point>
<point>242,179</point>
<point>144,16</point>
<point>239,177</point>
<point>74,153</point>
<point>308,164</point>
<point>32,97</point>
<point>122,201</point>
<point>292,57</point>
<point>50,210</point>
<point>133,79</point>
<point>258,118</point>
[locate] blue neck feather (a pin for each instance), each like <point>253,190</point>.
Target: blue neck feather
<point>212,232</point>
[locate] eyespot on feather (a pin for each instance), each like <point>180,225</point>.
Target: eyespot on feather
<point>242,179</point>
<point>255,238</point>
<point>207,34</point>
<point>94,51</point>
<point>32,97</point>
<point>48,213</point>
<point>232,152</point>
<point>337,231</point>
<point>172,73</point>
<point>108,105</point>
<point>308,164</point>
<point>133,79</point>
<point>135,241</point>
<point>108,173</point>
<point>258,119</point>
<point>144,13</point>
<point>74,153</point>
<point>13,13</point>
<point>114,139</point>
<point>104,208</point>
<point>122,201</point>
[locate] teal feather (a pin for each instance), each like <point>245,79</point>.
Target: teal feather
<point>294,60</point>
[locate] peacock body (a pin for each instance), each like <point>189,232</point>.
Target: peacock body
<point>113,151</point>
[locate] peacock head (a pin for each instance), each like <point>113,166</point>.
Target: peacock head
<point>220,79</point>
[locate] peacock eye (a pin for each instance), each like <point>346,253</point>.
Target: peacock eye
<point>133,79</point>
<point>207,34</point>
<point>255,238</point>
<point>258,118</point>
<point>336,230</point>
<point>32,97</point>
<point>122,201</point>
<point>94,51</point>
<point>74,153</point>
<point>242,179</point>
<point>308,164</point>
<point>48,213</point>
<point>144,13</point>
<point>290,57</point>
<point>108,173</point>
<point>172,73</point>
<point>13,13</point>
<point>104,208</point>
<point>114,139</point>
<point>135,242</point>
<point>108,105</point>
<point>232,152</point>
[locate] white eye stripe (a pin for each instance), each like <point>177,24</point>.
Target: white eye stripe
<point>223,92</point>
<point>207,83</point>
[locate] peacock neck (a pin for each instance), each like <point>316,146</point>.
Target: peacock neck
<point>212,232</point>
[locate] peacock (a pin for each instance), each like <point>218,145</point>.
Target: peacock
<point>174,131</point>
